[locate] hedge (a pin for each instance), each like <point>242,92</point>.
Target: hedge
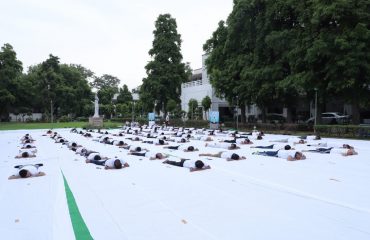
<point>348,131</point>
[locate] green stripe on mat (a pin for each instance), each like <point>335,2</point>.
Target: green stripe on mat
<point>79,227</point>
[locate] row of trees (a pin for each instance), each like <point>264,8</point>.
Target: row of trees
<point>270,52</point>
<point>49,86</point>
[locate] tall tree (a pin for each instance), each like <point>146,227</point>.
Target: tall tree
<point>125,95</point>
<point>10,71</point>
<point>165,72</point>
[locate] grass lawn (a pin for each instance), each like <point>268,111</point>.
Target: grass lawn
<point>21,125</point>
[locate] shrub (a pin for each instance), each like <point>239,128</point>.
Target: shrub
<point>65,118</point>
<point>350,131</point>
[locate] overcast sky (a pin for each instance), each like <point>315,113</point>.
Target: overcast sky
<point>111,36</point>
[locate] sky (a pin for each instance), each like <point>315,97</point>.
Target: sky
<point>108,37</point>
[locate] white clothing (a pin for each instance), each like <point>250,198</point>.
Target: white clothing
<point>150,154</point>
<point>191,164</point>
<point>219,145</point>
<point>92,156</point>
<point>226,155</point>
<point>341,151</point>
<point>31,168</point>
<point>110,162</point>
<point>286,153</point>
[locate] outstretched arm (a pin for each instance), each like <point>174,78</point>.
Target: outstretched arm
<point>199,169</point>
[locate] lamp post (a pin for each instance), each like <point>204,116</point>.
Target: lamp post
<point>315,109</point>
<point>51,105</point>
<point>135,97</point>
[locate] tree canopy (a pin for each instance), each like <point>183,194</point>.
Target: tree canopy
<point>165,71</point>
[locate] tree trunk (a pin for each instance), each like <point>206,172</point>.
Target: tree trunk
<point>242,110</point>
<point>355,113</point>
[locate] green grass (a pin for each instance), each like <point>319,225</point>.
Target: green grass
<point>21,125</point>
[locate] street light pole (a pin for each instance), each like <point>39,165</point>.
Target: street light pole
<point>315,109</point>
<point>51,105</point>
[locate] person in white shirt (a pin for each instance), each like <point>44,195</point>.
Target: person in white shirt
<point>183,148</point>
<point>95,156</point>
<point>26,154</point>
<point>290,155</point>
<point>228,146</point>
<point>150,155</point>
<point>341,151</point>
<point>26,171</point>
<point>193,165</point>
<point>229,156</point>
<point>114,163</point>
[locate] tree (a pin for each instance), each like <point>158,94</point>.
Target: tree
<point>124,95</point>
<point>105,81</point>
<point>171,105</point>
<point>193,106</point>
<point>165,72</point>
<point>10,71</point>
<point>206,104</point>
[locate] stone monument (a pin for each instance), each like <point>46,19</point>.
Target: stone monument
<point>96,120</point>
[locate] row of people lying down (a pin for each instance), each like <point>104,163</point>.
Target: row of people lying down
<point>27,150</point>
<point>117,163</point>
<point>286,152</point>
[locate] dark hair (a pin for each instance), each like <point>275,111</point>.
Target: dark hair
<point>161,142</point>
<point>287,147</point>
<point>117,164</point>
<point>296,154</point>
<point>157,155</point>
<point>61,140</point>
<point>74,149</point>
<point>199,164</point>
<point>138,149</point>
<point>28,146</point>
<point>259,137</point>
<point>190,148</point>
<point>247,140</point>
<point>235,156</point>
<point>25,154</point>
<point>233,145</point>
<point>74,144</point>
<point>183,140</point>
<point>23,173</point>
<point>120,134</point>
<point>97,157</point>
<point>121,143</point>
<point>137,139</point>
<point>27,141</point>
<point>26,137</point>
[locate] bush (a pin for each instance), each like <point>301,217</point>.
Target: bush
<point>65,118</point>
<point>350,131</point>
<point>82,119</point>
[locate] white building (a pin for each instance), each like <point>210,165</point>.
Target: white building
<point>198,88</point>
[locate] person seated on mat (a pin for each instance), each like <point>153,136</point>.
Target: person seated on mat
<point>150,155</point>
<point>229,156</point>
<point>26,171</point>
<point>114,163</point>
<point>26,154</point>
<point>193,165</point>
<point>184,148</point>
<point>342,151</point>
<point>290,155</point>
